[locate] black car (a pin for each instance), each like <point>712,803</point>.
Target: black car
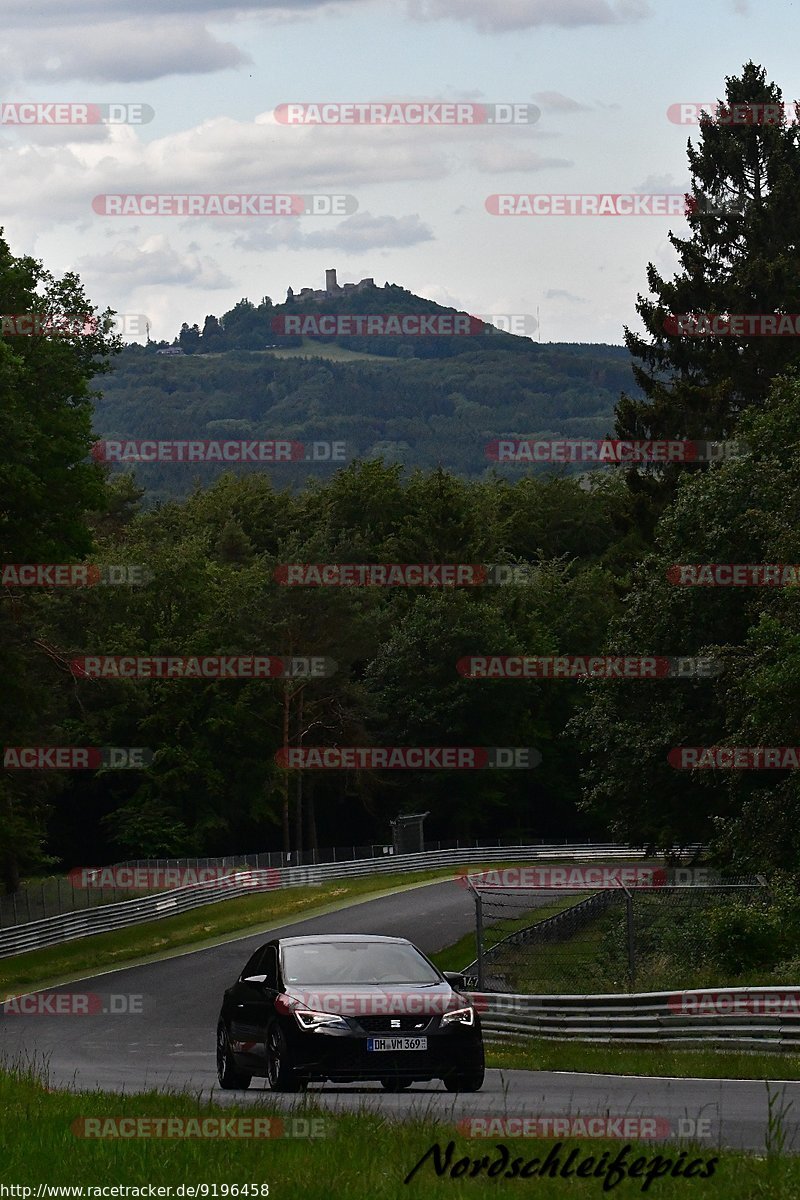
<point>347,1007</point>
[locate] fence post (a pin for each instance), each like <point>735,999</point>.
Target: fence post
<point>631,940</point>
<point>479,937</point>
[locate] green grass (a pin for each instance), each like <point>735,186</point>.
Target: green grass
<point>361,1155</point>
<point>462,952</point>
<point>312,349</point>
<point>206,925</point>
<point>594,959</point>
<point>538,1054</point>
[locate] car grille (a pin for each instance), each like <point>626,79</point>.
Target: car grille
<point>388,1024</point>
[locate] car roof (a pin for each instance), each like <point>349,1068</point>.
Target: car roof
<point>321,939</point>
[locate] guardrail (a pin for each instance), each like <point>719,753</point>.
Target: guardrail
<point>740,1018</point>
<point>67,927</point>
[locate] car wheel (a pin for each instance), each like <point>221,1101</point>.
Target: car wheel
<point>396,1085</point>
<point>464,1081</point>
<point>229,1077</point>
<point>280,1076</point>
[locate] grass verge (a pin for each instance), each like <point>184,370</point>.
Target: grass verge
<point>541,1055</point>
<point>41,1145</point>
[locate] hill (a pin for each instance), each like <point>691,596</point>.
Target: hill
<point>426,401</point>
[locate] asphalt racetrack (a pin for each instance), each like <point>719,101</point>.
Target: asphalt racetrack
<point>169,1044</point>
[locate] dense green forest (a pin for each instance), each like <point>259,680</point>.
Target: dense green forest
<point>602,548</point>
<point>421,413</point>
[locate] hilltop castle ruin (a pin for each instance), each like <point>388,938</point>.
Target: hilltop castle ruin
<point>332,288</point>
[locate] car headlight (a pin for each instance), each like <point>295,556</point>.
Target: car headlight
<point>461,1016</point>
<point>307,1019</point>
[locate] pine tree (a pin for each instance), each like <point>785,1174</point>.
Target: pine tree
<point>742,257</point>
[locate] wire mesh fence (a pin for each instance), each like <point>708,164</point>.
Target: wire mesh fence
<point>577,941</point>
<point>56,895</point>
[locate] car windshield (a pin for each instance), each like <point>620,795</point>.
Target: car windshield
<point>355,963</point>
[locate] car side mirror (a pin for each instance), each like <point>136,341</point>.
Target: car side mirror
<point>258,980</point>
<point>455,979</point>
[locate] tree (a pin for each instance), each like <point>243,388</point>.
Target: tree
<point>742,257</point>
<point>189,339</point>
<point>49,487</point>
<point>213,335</point>
<point>742,511</point>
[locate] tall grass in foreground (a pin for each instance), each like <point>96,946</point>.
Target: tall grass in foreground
<point>365,1156</point>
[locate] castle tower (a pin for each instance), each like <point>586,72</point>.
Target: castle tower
<point>330,281</point>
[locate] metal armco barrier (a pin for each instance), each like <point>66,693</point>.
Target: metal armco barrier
<point>108,917</point>
<point>740,1018</point>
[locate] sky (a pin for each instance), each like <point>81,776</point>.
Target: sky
<point>600,76</point>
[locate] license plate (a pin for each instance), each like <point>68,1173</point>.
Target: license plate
<point>397,1043</point>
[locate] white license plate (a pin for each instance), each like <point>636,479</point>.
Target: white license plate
<point>397,1043</point>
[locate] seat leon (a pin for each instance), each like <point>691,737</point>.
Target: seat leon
<point>344,1008</point>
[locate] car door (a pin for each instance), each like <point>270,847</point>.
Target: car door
<point>252,1005</point>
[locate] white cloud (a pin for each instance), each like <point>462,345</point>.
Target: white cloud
<point>662,185</point>
<point>356,234</point>
<point>558,102</point>
<point>99,40</point>
<point>525,14</point>
<point>500,157</point>
<point>154,262</point>
<point>560,294</point>
<point>53,178</point>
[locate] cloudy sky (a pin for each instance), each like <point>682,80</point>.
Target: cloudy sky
<point>602,73</point>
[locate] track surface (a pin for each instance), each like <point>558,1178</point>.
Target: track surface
<point>169,1045</point>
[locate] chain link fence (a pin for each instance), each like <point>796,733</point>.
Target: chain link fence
<point>578,942</point>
